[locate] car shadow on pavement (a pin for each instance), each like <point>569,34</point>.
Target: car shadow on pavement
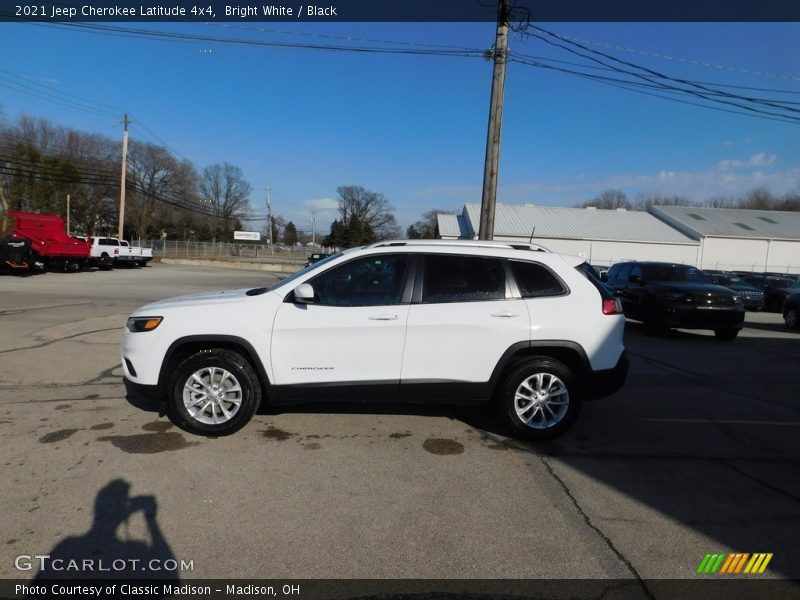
<point>481,417</point>
<point>703,440</point>
<point>107,551</point>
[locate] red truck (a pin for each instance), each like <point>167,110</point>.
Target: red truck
<point>50,246</point>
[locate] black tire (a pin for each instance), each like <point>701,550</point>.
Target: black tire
<point>792,317</point>
<point>652,318</point>
<point>548,367</point>
<point>726,334</point>
<point>237,366</point>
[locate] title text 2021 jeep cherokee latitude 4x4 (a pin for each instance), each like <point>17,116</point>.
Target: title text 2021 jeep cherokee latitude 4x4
<point>449,322</point>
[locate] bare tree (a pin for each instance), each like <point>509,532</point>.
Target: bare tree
<point>609,199</point>
<point>226,191</point>
<point>646,200</point>
<point>425,228</point>
<point>153,174</point>
<point>370,208</point>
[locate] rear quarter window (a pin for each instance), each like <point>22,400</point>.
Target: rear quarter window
<point>535,280</point>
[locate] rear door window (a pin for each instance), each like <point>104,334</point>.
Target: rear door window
<point>455,278</point>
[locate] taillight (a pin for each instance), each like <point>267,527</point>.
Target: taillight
<point>612,306</point>
<point>116,250</point>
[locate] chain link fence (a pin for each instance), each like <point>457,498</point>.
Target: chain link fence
<point>188,248</point>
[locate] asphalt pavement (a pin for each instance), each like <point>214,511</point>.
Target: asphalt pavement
<point>699,453</point>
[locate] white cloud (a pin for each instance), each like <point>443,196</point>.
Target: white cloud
<point>761,160</point>
<point>727,164</point>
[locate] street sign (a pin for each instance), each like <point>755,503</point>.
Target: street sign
<point>253,236</point>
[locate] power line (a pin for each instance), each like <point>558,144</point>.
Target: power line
<point>631,86</point>
<point>651,72</point>
<point>27,90</point>
<point>694,62</point>
<point>188,37</point>
<point>341,37</point>
<point>102,105</point>
<point>706,92</point>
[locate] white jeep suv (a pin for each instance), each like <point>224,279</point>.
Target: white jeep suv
<point>434,321</point>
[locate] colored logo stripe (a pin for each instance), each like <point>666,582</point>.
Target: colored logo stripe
<point>711,563</point>
<point>758,563</point>
<point>734,563</point>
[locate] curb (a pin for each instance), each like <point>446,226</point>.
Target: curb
<point>276,267</point>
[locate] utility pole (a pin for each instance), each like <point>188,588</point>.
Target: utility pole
<point>313,228</point>
<point>492,162</point>
<point>269,221</point>
<point>124,173</point>
<point>67,214</point>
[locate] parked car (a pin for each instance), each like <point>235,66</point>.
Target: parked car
<point>667,295</point>
<point>435,321</point>
<point>602,272</point>
<point>752,297</point>
<point>139,255</point>
<point>776,289</point>
<point>316,257</point>
<point>791,311</point>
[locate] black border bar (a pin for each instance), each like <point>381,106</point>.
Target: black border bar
<point>400,11</point>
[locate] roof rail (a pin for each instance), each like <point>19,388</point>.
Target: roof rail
<point>462,243</point>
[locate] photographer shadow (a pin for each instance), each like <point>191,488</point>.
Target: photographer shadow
<point>102,554</point>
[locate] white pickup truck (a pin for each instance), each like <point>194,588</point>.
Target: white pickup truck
<point>140,255</point>
<point>119,252</point>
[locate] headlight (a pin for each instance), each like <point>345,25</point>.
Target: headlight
<point>138,324</point>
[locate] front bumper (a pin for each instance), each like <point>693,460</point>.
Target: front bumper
<point>606,382</point>
<point>729,317</point>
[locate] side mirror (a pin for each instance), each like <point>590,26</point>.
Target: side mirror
<point>304,293</point>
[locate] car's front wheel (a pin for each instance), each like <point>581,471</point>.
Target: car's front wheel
<point>214,392</point>
<point>792,318</point>
<point>726,334</point>
<point>540,399</point>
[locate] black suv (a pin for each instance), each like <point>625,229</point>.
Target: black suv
<point>666,295</point>
<point>752,297</point>
<point>776,289</point>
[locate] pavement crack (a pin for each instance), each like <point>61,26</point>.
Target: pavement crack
<point>703,380</point>
<point>61,339</point>
<point>761,482</point>
<point>607,540</point>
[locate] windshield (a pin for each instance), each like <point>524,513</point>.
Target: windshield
<point>730,280</point>
<point>293,276</point>
<point>674,273</point>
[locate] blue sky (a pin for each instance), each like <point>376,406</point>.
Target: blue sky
<point>413,127</point>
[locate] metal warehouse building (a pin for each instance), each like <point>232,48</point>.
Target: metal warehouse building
<point>738,239</point>
<point>603,237</point>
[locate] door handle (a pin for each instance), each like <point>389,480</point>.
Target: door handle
<point>505,314</point>
<point>383,317</point>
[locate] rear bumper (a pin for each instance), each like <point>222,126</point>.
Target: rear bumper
<point>606,382</point>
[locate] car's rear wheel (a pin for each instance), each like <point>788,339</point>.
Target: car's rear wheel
<point>214,392</point>
<point>792,318</point>
<point>540,399</point>
<point>726,334</point>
